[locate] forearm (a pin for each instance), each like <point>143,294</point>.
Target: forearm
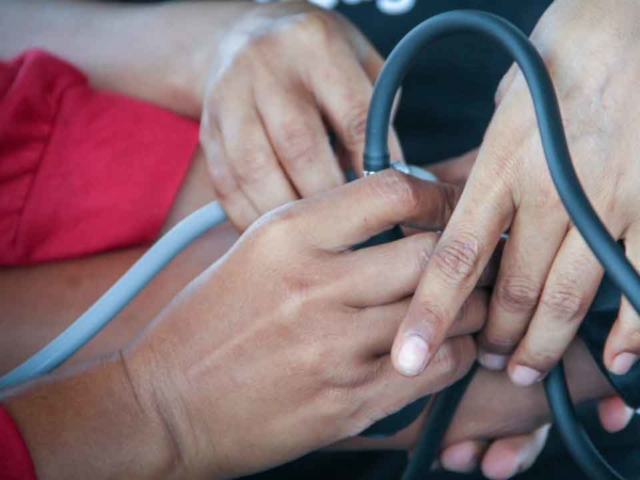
<point>90,424</point>
<point>158,53</point>
<point>38,302</point>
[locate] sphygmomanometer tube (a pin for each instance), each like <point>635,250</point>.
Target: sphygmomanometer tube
<point>439,416</point>
<point>509,37</point>
<point>117,297</point>
<point>573,436</point>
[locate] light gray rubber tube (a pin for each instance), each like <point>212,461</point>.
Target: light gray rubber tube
<point>89,324</point>
<point>117,297</point>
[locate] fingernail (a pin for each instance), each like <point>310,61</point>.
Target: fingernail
<point>412,357</point>
<point>525,376</point>
<point>492,361</point>
<point>623,363</point>
<point>461,458</point>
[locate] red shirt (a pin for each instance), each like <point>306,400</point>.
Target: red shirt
<point>81,172</point>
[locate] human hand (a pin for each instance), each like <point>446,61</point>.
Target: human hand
<point>285,76</point>
<point>548,276</point>
<point>302,360</point>
<point>505,457</point>
<point>498,459</point>
<point>499,427</point>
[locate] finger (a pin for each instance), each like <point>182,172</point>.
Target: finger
<point>389,272</point>
<point>377,325</point>
<point>509,456</point>
<point>252,161</point>
<point>453,270</point>
<point>366,207</point>
<point>614,414</point>
<point>343,93</point>
<point>623,344</point>
<point>568,292</point>
<point>372,63</point>
<point>300,140</point>
<point>463,457</point>
<point>390,392</point>
<point>238,208</point>
<point>385,273</point>
<point>524,267</point>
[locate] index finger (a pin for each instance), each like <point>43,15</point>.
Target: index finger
<point>343,92</point>
<point>475,228</point>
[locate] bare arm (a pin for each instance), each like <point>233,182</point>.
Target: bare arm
<point>91,424</point>
<point>158,53</point>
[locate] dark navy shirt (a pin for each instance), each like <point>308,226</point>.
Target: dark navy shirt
<point>448,97</point>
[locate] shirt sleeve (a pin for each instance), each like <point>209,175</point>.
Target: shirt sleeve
<point>81,171</point>
<point>15,460</point>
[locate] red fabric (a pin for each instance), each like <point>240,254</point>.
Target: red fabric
<point>15,460</point>
<point>81,171</point>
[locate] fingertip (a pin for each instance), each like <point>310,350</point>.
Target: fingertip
<point>622,363</point>
<point>525,376</point>
<point>411,355</point>
<point>462,457</point>
<point>492,361</point>
<point>614,415</point>
<point>501,461</point>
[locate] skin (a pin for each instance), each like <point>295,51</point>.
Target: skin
<point>209,363</point>
<point>39,301</point>
<point>544,287</point>
<point>284,157</point>
<point>159,71</point>
<point>284,77</point>
<point>112,386</point>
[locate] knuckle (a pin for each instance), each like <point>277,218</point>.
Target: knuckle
<point>254,168</point>
<point>565,303</point>
<point>498,341</point>
<point>318,27</point>
<point>433,314</point>
<point>354,126</point>
<point>517,294</point>
<point>456,260</point>
<point>223,184</point>
<point>275,229</point>
<point>296,147</point>
<point>398,189</point>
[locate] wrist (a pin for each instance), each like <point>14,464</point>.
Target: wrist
<point>193,50</point>
<point>166,460</point>
<point>91,423</point>
<point>162,393</point>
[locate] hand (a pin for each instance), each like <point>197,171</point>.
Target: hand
<point>286,76</point>
<point>499,459</point>
<point>514,417</point>
<point>548,276</point>
<point>282,346</point>
<point>505,457</point>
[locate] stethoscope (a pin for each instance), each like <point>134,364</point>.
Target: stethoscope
<point>621,276</point>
